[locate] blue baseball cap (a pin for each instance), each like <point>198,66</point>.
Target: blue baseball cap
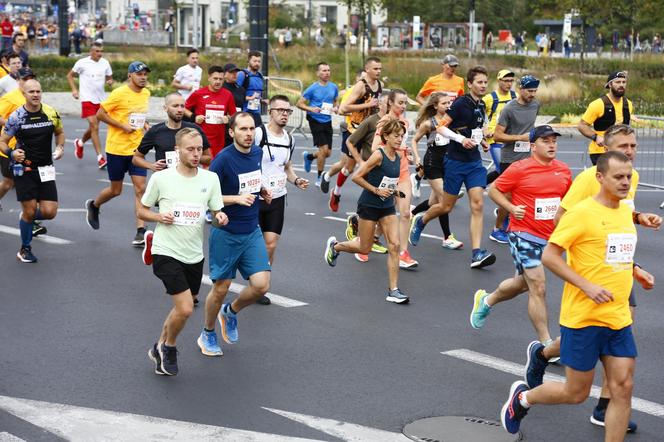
<point>137,66</point>
<point>528,82</point>
<point>542,131</point>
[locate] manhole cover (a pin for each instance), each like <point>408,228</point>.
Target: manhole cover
<point>458,429</point>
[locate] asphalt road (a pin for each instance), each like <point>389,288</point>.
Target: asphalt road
<point>346,365</point>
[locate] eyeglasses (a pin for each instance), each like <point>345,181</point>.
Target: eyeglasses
<point>282,111</point>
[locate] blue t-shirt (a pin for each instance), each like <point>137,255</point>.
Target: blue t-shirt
<point>317,94</point>
<point>256,84</point>
<point>466,114</point>
<point>239,173</point>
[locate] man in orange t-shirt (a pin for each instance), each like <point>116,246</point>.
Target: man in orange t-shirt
<point>446,81</point>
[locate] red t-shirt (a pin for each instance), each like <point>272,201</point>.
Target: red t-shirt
<point>7,28</point>
<point>212,105</point>
<point>539,188</point>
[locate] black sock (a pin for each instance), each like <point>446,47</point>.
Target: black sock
<point>540,355</point>
<point>230,309</point>
<point>602,403</point>
<point>310,157</point>
<point>418,177</point>
<point>421,207</point>
<point>444,221</point>
<point>209,331</point>
<point>320,172</point>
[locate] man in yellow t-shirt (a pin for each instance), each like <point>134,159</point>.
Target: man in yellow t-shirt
<point>612,108</point>
<point>595,319</point>
<point>124,111</point>
<point>446,81</point>
<point>495,102</point>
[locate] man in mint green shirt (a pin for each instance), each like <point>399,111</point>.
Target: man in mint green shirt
<point>183,193</point>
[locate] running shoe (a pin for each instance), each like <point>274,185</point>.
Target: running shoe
<point>452,243</point>
<point>208,343</point>
<point>499,236</point>
<point>101,163</point>
<point>513,411</point>
<point>330,254</point>
<point>317,183</point>
<point>416,229</point>
<point>396,296</point>
<point>482,258</point>
<point>406,261</point>
<point>351,227</point>
<point>153,354</point>
<point>38,229</point>
<point>169,359</point>
<point>360,257</point>
<point>325,183</point>
<point>228,323</point>
<point>415,184</point>
<point>78,148</point>
<point>147,247</point>
<point>480,310</point>
<point>25,255</point>
<point>92,215</point>
<point>307,161</point>
<point>139,239</point>
<point>264,300</point>
<point>555,359</point>
<point>535,366</point>
<point>208,217</point>
<point>597,418</point>
<point>334,202</point>
<point>461,194</point>
<point>378,247</point>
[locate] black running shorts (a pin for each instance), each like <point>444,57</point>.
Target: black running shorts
<point>30,187</point>
<point>271,216</point>
<point>177,276</point>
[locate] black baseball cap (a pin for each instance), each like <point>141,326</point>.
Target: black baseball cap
<point>613,75</point>
<point>542,131</point>
<point>230,67</point>
<point>26,72</point>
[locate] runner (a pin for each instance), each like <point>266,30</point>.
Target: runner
<point>446,81</point>
<point>363,99</point>
<point>239,245</point>
<point>378,177</point>
<point>93,72</point>
<point>212,107</point>
<point>516,121</point>
<point>124,111</point>
<point>187,78</point>
<point>33,125</point>
<point>10,81</point>
<point>320,101</point>
<point>606,111</point>
<point>530,190</point>
<point>463,165</point>
<point>182,193</point>
<point>595,320</point>
<point>253,83</point>
<point>277,146</point>
<point>495,102</point>
<point>428,119</point>
<point>238,92</point>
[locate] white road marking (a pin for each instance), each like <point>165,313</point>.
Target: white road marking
<point>6,437</point>
<point>279,300</point>
<point>43,238</point>
<point>124,183</point>
<point>59,210</point>
<point>310,213</point>
<point>342,430</point>
<point>85,424</point>
<point>642,405</point>
<point>426,235</point>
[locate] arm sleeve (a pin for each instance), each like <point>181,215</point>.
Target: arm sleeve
<point>147,142</point>
<point>151,194</point>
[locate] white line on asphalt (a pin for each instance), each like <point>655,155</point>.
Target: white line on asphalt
<point>426,235</point>
<point>279,300</point>
<point>642,405</point>
<point>108,182</point>
<point>43,238</point>
<point>59,210</point>
<point>7,437</point>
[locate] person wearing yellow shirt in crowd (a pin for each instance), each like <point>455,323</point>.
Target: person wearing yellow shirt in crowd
<point>446,81</point>
<point>124,111</point>
<point>612,108</point>
<point>595,320</point>
<point>495,102</point>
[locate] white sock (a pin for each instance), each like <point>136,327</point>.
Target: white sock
<point>326,176</point>
<point>99,157</point>
<point>485,302</point>
<point>337,190</point>
<point>523,401</point>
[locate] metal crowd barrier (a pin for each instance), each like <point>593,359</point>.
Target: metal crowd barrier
<point>292,88</point>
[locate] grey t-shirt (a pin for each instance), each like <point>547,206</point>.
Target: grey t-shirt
<point>517,119</point>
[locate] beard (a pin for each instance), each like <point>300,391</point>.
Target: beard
<point>618,92</point>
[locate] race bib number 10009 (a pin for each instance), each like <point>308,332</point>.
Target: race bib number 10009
<point>187,214</point>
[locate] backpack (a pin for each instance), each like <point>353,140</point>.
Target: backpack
<point>264,142</point>
<point>496,102</point>
<point>245,82</point>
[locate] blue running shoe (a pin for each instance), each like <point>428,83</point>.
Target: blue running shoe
<point>535,366</point>
<point>208,343</point>
<point>499,236</point>
<point>513,411</point>
<point>597,418</point>
<point>416,229</point>
<point>480,310</point>
<point>396,296</point>
<point>482,258</point>
<point>307,161</point>
<point>228,323</point>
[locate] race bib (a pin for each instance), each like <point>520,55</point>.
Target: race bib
<point>326,109</point>
<point>172,158</point>
<point>250,182</point>
<point>136,120</point>
<point>238,109</point>
<point>254,104</point>
<point>46,173</point>
<point>214,116</point>
<point>522,146</point>
<point>276,182</point>
<point>187,214</point>
<point>620,248</point>
<point>441,140</point>
<point>546,208</point>
<point>388,183</point>
<point>629,203</point>
<point>477,135</point>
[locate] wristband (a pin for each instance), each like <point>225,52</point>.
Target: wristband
<point>635,265</point>
<point>594,137</point>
